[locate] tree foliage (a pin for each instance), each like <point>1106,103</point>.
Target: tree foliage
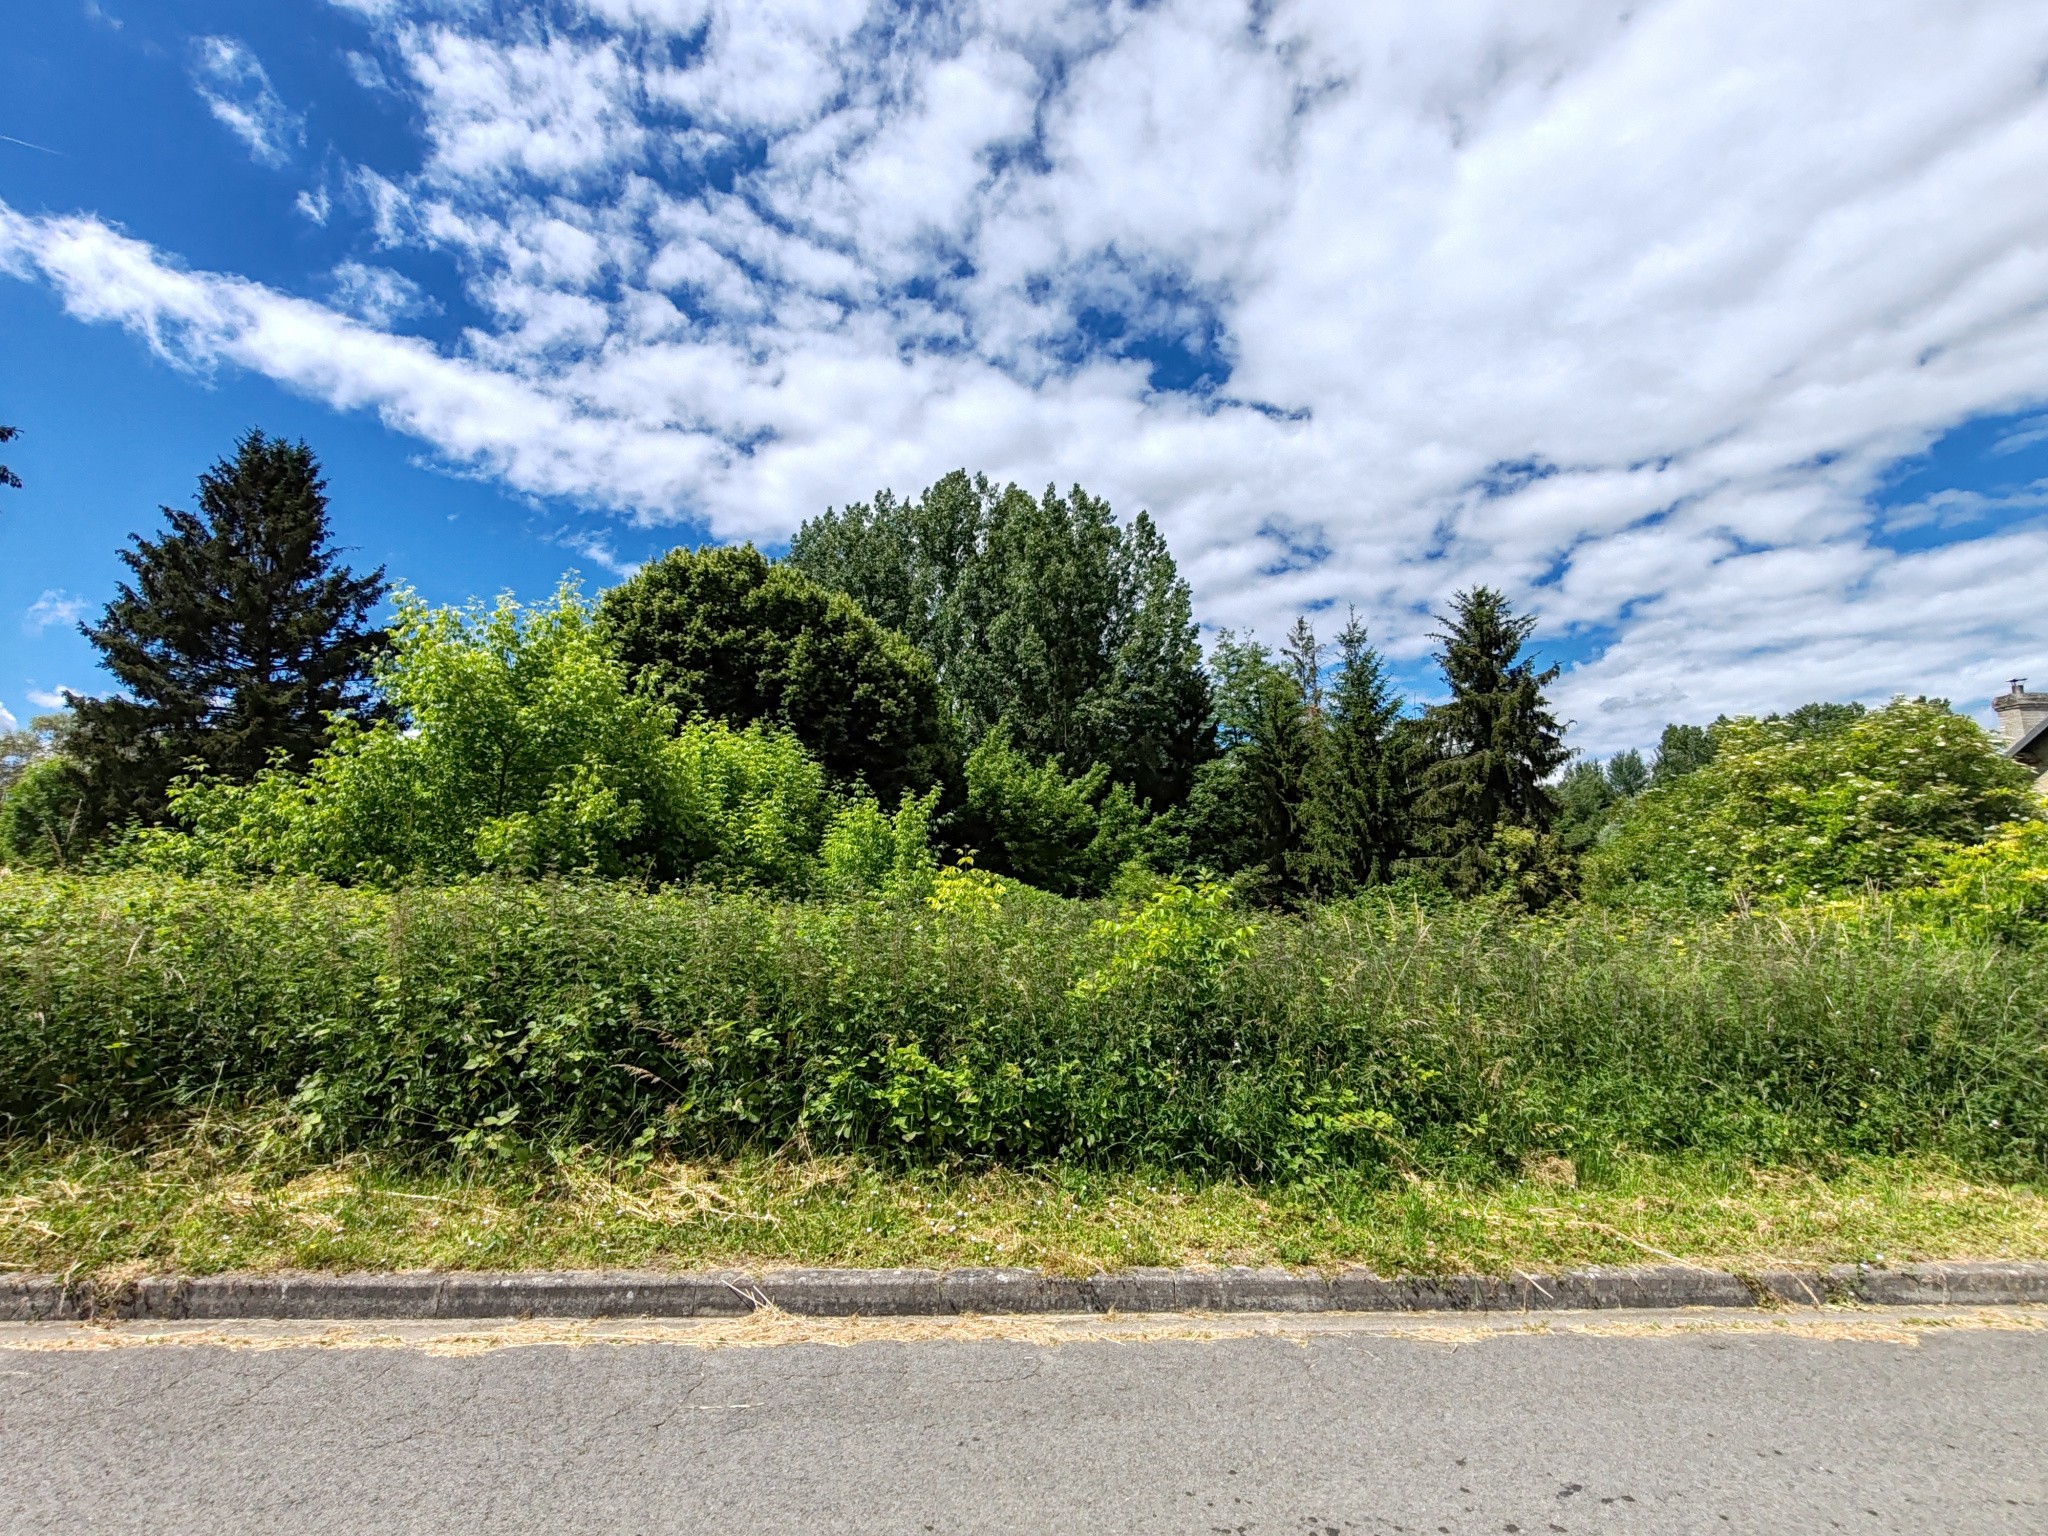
<point>1681,750</point>
<point>723,634</point>
<point>1312,790</point>
<point>1249,812</point>
<point>1495,740</point>
<point>25,746</point>
<point>8,477</point>
<point>42,795</point>
<point>1785,812</point>
<point>1590,795</point>
<point>1042,611</point>
<point>1362,782</point>
<point>239,639</point>
<point>1071,835</point>
<point>514,746</point>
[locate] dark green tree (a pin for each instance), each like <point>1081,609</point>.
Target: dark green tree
<point>725,634</point>
<point>1362,782</point>
<point>1590,796</point>
<point>1248,812</point>
<point>7,476</point>
<point>1060,833</point>
<point>1585,797</point>
<point>1682,749</point>
<point>1496,741</point>
<point>1810,722</point>
<point>1626,774</point>
<point>240,635</point>
<point>1041,611</point>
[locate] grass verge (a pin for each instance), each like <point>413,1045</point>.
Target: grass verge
<point>214,1195</point>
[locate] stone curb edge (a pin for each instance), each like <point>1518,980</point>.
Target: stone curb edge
<point>440,1295</point>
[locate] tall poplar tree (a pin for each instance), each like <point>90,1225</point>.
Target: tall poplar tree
<point>1496,740</point>
<point>1041,611</point>
<point>240,634</point>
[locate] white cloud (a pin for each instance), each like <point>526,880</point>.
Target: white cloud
<point>232,82</point>
<point>367,72</point>
<point>50,698</point>
<point>314,205</point>
<point>1622,306</point>
<point>53,608</point>
<point>377,295</point>
<point>7,720</point>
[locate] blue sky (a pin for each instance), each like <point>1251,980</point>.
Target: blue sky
<point>1725,347</point>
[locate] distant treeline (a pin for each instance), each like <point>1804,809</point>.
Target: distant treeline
<point>977,674</point>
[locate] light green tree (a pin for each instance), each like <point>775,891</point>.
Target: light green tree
<point>1785,811</point>
<point>513,745</point>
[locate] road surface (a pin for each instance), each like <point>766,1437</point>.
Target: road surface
<point>1612,1424</point>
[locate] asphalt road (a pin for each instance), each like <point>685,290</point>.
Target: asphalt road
<point>1340,1428</point>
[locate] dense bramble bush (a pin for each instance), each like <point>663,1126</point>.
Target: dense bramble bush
<point>984,1020</point>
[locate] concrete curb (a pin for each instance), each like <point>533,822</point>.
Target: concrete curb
<point>428,1295</point>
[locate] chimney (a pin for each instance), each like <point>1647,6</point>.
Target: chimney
<point>2019,711</point>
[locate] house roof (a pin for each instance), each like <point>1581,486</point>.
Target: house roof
<point>2032,747</point>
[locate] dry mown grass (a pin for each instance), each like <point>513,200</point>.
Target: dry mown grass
<point>218,1196</point>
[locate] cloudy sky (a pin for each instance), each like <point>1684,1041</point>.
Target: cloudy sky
<point>1716,334</point>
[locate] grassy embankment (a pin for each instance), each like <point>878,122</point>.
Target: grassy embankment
<point>203,1077</point>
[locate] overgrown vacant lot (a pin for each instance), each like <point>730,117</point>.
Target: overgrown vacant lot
<point>210,1075</point>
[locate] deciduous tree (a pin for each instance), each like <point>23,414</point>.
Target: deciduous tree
<point>725,634</point>
<point>1042,611</point>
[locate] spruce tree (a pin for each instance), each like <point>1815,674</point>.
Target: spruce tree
<point>1248,810</point>
<point>1495,740</point>
<point>1627,775</point>
<point>7,476</point>
<point>1356,824</point>
<point>239,636</point>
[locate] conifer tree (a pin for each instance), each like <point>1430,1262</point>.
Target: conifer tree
<point>7,476</point>
<point>1495,740</point>
<point>1248,812</point>
<point>1682,749</point>
<point>1627,775</point>
<point>238,638</point>
<point>1356,824</point>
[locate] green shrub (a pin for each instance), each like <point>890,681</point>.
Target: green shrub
<point>868,852</point>
<point>1070,835</point>
<point>993,1022</point>
<point>513,747</point>
<point>1787,810</point>
<point>43,820</point>
<point>1997,889</point>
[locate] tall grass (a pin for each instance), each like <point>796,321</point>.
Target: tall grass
<point>998,1026</point>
